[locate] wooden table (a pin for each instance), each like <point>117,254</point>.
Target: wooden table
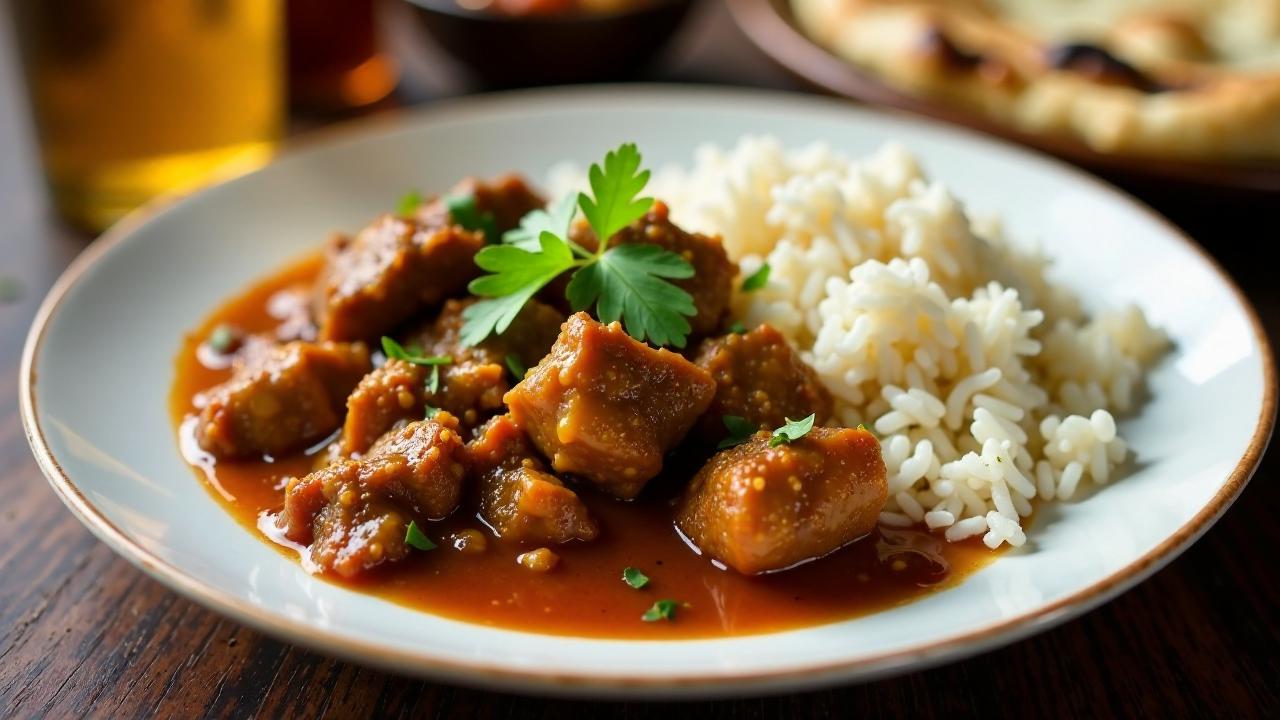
<point>82,632</point>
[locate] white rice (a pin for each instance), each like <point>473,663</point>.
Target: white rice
<point>988,385</point>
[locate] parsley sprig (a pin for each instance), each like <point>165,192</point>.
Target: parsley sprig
<point>554,220</point>
<point>630,283</point>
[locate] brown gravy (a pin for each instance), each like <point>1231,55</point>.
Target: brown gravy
<point>585,595</point>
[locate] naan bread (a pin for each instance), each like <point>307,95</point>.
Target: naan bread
<point>1187,79</point>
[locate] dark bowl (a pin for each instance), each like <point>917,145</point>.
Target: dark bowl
<point>550,50</point>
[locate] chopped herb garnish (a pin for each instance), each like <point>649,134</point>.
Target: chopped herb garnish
<point>738,328</point>
<point>792,431</point>
<point>415,538</point>
<point>634,578</point>
<point>757,279</point>
<point>408,203</point>
<point>433,381</point>
<point>222,339</point>
<point>740,430</point>
<point>555,220</point>
<point>430,412</point>
<point>516,367</point>
<point>661,610</point>
<point>395,351</point>
<point>628,283</point>
<point>463,211</point>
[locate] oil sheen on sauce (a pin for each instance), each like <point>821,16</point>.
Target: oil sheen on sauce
<point>585,594</point>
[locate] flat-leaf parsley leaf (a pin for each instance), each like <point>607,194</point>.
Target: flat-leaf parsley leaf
<point>793,430</point>
<point>615,188</point>
<point>554,220</point>
<point>627,283</point>
<point>517,275</point>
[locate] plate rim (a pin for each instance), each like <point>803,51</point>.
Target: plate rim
<point>605,684</point>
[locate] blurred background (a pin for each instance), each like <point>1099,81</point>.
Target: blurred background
<point>105,104</point>
<point>111,102</point>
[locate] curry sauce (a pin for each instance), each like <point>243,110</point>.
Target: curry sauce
<point>585,594</point>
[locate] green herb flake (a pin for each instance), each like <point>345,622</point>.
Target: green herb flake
<point>554,220</point>
<point>738,328</point>
<point>395,351</point>
<point>661,610</point>
<point>757,279</point>
<point>222,339</point>
<point>793,430</point>
<point>415,538</point>
<point>433,381</point>
<point>463,211</point>
<point>516,367</point>
<point>408,203</point>
<point>430,412</point>
<point>740,430</point>
<point>634,578</point>
<point>628,283</point>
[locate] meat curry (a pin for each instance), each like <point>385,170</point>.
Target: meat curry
<point>560,469</point>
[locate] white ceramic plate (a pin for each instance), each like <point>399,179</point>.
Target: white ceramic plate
<point>99,364</point>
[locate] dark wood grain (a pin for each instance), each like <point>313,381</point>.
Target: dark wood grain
<point>83,633</point>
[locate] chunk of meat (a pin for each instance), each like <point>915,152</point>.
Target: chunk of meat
<point>761,378</point>
<point>757,508</point>
<point>712,281</point>
<point>388,272</point>
<point>280,398</point>
<point>386,396</point>
<point>507,197</point>
<point>607,407</point>
<point>354,513</point>
<point>519,500</point>
<point>471,387</point>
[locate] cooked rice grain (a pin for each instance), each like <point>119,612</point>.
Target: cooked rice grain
<point>987,383</point>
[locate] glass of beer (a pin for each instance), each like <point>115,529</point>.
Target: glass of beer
<point>133,98</point>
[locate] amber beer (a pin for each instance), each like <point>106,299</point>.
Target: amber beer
<point>137,97</point>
